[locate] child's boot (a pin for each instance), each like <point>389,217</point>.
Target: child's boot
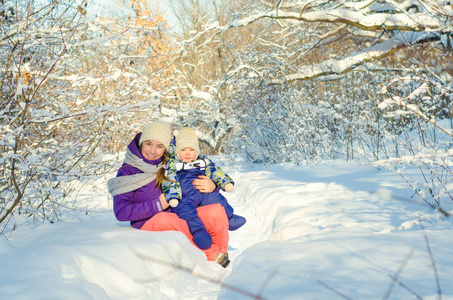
<point>222,259</point>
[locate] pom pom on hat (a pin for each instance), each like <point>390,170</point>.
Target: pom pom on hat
<point>186,138</point>
<point>157,131</point>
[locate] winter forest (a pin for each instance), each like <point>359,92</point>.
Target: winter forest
<point>267,83</point>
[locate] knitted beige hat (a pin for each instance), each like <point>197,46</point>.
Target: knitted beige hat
<point>157,131</point>
<point>186,138</point>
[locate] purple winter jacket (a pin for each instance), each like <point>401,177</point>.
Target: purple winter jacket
<point>140,205</point>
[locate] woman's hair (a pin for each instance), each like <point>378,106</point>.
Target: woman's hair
<point>160,176</point>
<point>161,173</point>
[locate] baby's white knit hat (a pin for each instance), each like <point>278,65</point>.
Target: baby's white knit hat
<point>186,138</point>
<point>157,131</point>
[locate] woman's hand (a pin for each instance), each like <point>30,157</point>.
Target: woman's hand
<point>163,202</point>
<point>204,184</point>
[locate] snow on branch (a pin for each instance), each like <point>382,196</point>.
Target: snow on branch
<point>434,158</point>
<point>407,28</point>
<point>99,110</point>
<point>412,108</point>
<point>364,19</point>
<point>333,67</point>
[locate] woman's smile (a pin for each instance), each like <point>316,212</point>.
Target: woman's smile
<point>152,150</point>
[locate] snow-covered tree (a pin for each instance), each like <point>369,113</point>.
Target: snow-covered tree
<point>67,88</point>
<point>304,79</point>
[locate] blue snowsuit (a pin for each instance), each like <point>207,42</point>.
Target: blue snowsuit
<point>178,185</point>
<point>193,198</point>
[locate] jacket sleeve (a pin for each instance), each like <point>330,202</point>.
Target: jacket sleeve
<point>216,174</point>
<point>170,185</point>
<point>126,210</point>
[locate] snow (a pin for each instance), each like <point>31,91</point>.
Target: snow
<point>327,231</point>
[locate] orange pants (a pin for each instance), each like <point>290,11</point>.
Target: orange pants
<point>213,217</point>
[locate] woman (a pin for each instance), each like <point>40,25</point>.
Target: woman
<point>138,198</point>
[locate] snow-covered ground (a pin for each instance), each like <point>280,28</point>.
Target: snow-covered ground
<point>329,231</point>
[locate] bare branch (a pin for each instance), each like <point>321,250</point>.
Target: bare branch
<point>433,262</point>
<point>189,271</point>
<point>333,290</point>
<point>398,273</point>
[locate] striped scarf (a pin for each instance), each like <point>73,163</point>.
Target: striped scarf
<point>124,184</point>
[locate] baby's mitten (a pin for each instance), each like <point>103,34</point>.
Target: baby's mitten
<point>202,239</point>
<point>235,222</point>
<point>229,187</point>
<point>173,202</point>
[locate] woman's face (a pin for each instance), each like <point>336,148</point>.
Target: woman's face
<point>152,150</point>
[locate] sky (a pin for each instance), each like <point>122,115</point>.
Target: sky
<point>334,230</point>
<point>109,7</point>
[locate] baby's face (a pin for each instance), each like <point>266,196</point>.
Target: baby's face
<point>187,155</point>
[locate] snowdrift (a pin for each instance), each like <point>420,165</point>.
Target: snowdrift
<point>329,231</point>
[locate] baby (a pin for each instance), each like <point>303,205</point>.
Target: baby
<point>186,166</point>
